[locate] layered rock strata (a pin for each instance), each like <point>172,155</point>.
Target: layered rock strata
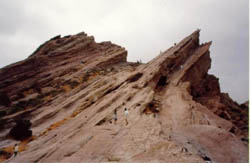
<point>70,86</point>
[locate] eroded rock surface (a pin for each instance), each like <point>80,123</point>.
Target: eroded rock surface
<point>70,86</point>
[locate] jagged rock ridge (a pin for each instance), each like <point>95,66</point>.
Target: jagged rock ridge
<point>70,86</point>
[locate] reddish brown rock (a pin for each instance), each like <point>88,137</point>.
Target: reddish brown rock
<point>245,105</point>
<point>70,86</point>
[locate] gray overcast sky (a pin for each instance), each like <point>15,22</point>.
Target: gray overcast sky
<point>143,27</point>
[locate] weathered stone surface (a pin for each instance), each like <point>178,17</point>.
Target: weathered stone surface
<point>70,86</point>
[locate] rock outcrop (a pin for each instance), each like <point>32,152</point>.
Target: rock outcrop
<point>70,86</point>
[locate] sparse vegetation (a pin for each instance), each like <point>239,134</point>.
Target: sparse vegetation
<point>152,107</point>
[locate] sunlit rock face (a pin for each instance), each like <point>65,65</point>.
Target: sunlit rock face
<point>70,86</point>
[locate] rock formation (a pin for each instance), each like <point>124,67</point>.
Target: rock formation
<point>70,86</point>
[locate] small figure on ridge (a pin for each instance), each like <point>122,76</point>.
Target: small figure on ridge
<point>115,116</point>
<point>16,147</point>
<point>126,115</point>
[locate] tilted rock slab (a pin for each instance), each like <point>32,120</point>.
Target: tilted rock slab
<point>70,86</point>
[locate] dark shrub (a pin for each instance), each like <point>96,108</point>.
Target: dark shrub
<point>21,130</point>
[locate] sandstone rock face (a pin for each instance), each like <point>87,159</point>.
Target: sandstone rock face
<point>70,86</point>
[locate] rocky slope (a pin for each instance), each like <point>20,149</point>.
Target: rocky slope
<point>70,86</point>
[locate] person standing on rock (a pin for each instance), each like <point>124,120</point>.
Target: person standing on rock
<point>126,115</point>
<point>115,116</point>
<point>15,150</point>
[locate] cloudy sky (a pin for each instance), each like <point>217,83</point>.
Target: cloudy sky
<point>143,27</point>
